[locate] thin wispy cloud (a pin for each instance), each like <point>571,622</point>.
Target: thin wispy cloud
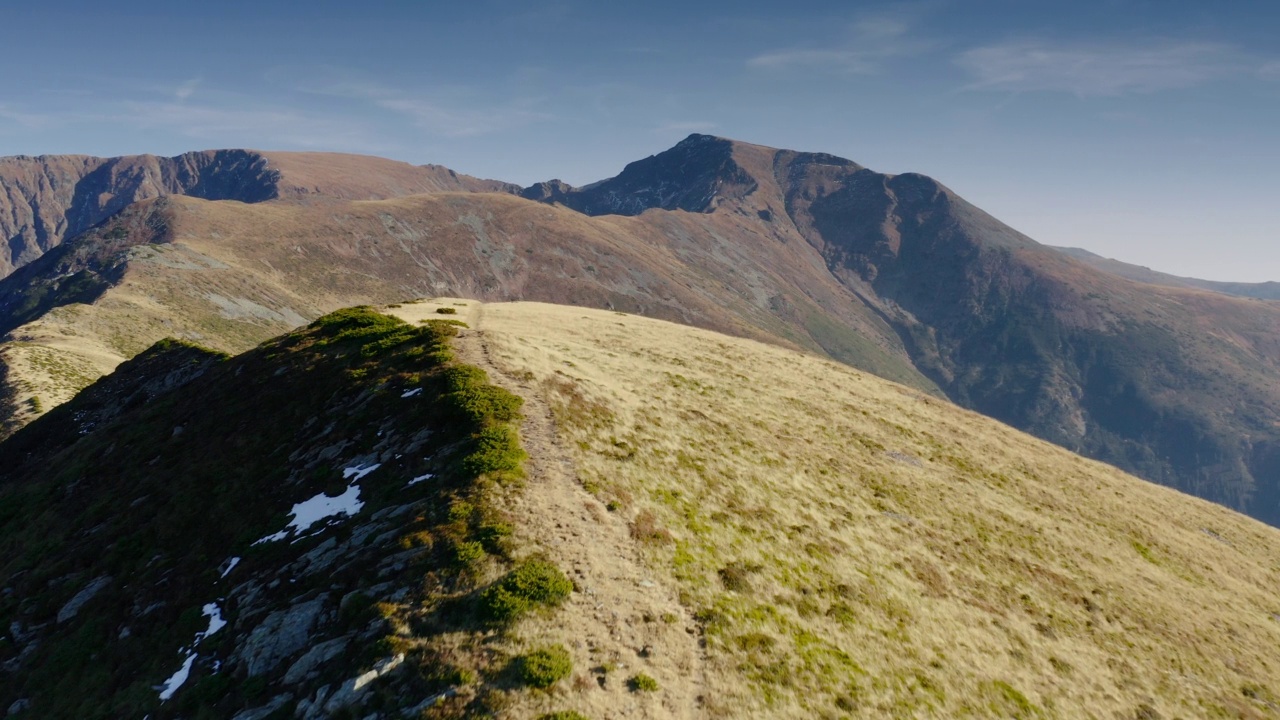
<point>215,123</point>
<point>186,89</point>
<point>1093,70</point>
<point>462,122</point>
<point>13,116</point>
<point>444,112</point>
<point>872,41</point>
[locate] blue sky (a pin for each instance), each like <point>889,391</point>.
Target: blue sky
<point>1147,131</point>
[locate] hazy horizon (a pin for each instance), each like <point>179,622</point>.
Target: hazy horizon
<point>1141,131</point>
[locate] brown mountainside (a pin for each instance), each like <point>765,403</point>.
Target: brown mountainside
<point>46,199</point>
<point>893,274</point>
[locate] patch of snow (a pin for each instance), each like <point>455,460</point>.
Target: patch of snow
<point>231,565</point>
<point>311,511</point>
<point>216,623</point>
<point>359,471</point>
<point>272,537</point>
<point>420,478</point>
<point>176,680</point>
<point>411,393</point>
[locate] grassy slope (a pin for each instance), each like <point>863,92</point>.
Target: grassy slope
<point>852,547</point>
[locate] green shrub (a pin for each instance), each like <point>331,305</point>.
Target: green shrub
<point>544,667</point>
<point>642,683</point>
<point>497,452</point>
<point>533,583</point>
<point>468,555</point>
<point>486,404</point>
<point>447,311</point>
<point>563,715</point>
<point>501,605</point>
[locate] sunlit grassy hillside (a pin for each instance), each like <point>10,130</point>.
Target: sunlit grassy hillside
<point>850,547</point>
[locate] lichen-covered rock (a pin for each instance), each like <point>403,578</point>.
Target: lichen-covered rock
<point>351,690</point>
<point>259,713</point>
<point>314,658</point>
<point>283,633</point>
<point>72,607</point>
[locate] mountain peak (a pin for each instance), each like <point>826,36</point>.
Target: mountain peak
<point>695,175</point>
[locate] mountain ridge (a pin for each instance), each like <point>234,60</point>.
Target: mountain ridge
<point>895,274</point>
<point>1267,290</point>
<point>46,198</point>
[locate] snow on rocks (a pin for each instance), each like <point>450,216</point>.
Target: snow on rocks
<point>228,566</point>
<point>320,507</point>
<point>420,478</point>
<point>411,393</point>
<point>359,471</point>
<point>216,623</point>
<point>179,678</point>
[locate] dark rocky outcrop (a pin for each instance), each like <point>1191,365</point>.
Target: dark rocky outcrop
<point>46,199</point>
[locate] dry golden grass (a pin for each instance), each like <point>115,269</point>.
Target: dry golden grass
<point>851,547</point>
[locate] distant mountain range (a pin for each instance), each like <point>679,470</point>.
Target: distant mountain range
<point>1262,290</point>
<point>892,274</point>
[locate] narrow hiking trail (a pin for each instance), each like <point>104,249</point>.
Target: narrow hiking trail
<point>623,619</point>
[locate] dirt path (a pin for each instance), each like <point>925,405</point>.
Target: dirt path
<point>623,620</point>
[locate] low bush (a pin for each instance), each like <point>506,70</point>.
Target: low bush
<point>544,667</point>
<point>497,453</point>
<point>533,583</point>
<point>642,683</point>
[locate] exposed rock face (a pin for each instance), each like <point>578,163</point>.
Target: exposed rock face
<point>48,198</point>
<point>45,200</point>
<point>694,175</point>
<point>281,634</point>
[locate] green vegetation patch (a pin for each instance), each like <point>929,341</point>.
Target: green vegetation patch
<point>642,683</point>
<point>532,584</point>
<point>544,667</point>
<point>185,458</point>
